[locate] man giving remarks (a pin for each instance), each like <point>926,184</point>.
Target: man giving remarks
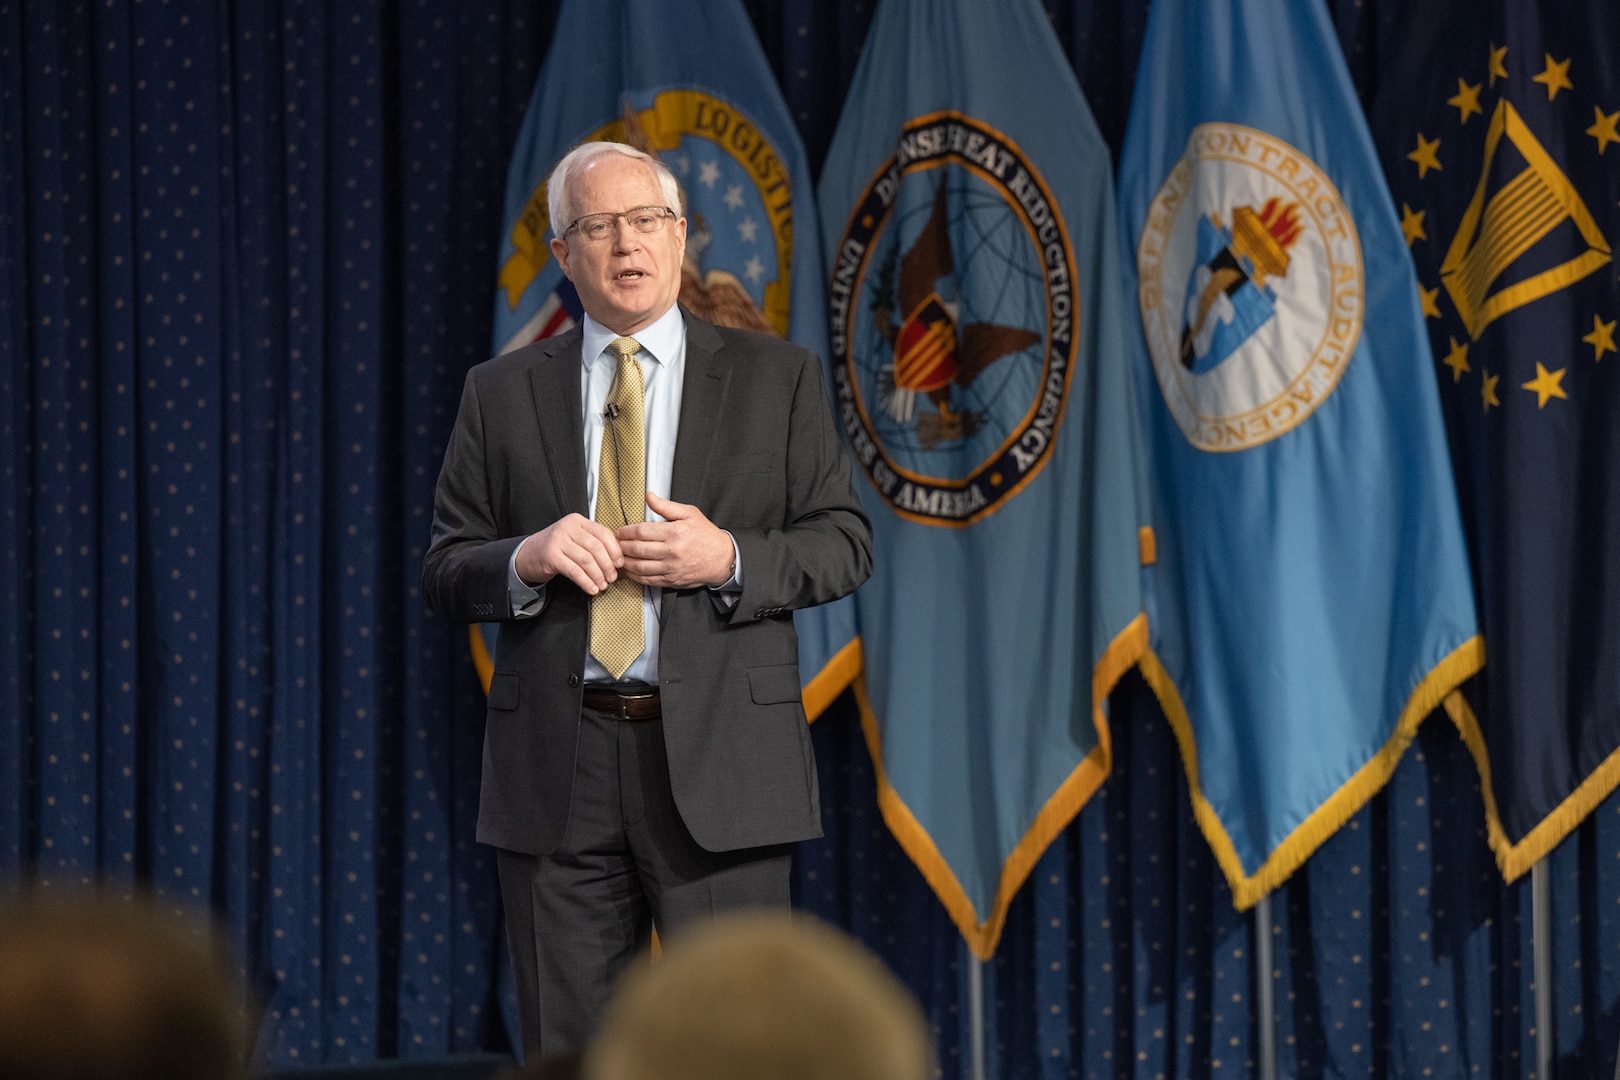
<point>642,502</point>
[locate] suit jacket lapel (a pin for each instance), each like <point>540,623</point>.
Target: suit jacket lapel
<point>702,395</point>
<point>554,380</point>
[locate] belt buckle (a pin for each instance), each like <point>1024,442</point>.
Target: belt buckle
<point>625,701</point>
<point>629,702</point>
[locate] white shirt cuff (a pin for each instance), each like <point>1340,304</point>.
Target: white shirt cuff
<point>731,588</point>
<point>527,600</point>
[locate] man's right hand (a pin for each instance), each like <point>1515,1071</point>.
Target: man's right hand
<point>581,550</point>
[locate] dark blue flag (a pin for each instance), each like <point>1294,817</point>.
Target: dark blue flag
<point>1495,125</point>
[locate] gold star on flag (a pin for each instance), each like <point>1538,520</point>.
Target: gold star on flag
<point>1487,391</point>
<point>1457,360</point>
<point>1601,338</point>
<point>1555,78</point>
<point>1412,224</point>
<point>1425,155</point>
<point>1547,384</point>
<point>1602,128</point>
<point>1430,299</point>
<point>1466,100</point>
<point>1498,69</point>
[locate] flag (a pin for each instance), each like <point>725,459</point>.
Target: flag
<point>1311,602</point>
<point>690,85</point>
<point>1494,124</point>
<point>980,374</point>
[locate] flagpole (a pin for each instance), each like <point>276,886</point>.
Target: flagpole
<point>1265,997</point>
<point>975,1016</point>
<point>1541,945</point>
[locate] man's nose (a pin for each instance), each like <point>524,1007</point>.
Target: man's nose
<point>624,236</point>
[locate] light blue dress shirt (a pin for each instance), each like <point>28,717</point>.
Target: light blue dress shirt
<point>663,367</point>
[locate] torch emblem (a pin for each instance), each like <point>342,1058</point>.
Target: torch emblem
<point>1228,298</point>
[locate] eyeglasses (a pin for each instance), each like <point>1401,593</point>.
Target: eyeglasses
<point>643,219</point>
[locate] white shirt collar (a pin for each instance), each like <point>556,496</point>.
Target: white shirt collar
<point>661,340</point>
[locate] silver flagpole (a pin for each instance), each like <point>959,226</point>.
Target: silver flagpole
<point>975,1014</point>
<point>1266,996</point>
<point>1541,937</point>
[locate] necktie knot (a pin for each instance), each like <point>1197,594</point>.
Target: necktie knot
<point>626,347</point>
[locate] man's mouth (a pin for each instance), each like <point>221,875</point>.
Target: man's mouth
<point>630,275</point>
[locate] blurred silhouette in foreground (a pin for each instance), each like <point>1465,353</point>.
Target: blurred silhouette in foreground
<point>555,1067</point>
<point>762,996</point>
<point>94,987</point>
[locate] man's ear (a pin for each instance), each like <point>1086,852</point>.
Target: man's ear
<point>559,251</point>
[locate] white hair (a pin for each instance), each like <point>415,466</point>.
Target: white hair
<point>559,202</point>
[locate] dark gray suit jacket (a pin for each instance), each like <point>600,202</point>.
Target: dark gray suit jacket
<point>756,451</point>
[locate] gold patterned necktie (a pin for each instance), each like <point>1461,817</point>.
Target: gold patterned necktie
<point>617,633</point>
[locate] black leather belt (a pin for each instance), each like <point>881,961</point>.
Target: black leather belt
<point>626,703</point>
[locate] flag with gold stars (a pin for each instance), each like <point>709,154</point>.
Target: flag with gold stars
<point>1498,126</point>
<point>1310,603</point>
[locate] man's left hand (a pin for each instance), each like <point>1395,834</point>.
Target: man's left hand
<point>683,551</point>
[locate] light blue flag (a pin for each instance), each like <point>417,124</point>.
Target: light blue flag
<point>1311,599</point>
<point>689,84</point>
<point>980,370</point>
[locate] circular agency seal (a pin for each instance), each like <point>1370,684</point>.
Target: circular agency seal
<point>1251,287</point>
<point>953,315</point>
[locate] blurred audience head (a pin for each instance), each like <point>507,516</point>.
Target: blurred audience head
<point>762,996</point>
<point>96,987</point>
<point>559,1067</point>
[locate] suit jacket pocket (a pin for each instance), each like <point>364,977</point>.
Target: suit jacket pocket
<point>771,685</point>
<point>503,690</point>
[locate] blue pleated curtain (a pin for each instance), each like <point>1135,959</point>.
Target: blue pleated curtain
<point>246,256</point>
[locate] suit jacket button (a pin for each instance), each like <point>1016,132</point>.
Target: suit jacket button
<point>573,680</point>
